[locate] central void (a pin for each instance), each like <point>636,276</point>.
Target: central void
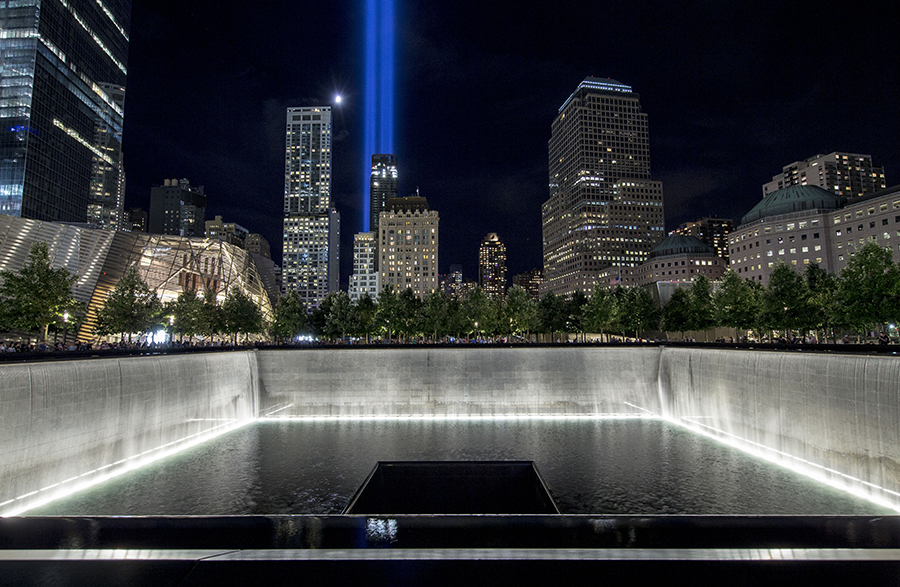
<point>631,466</point>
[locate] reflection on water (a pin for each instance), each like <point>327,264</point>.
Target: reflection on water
<point>592,466</point>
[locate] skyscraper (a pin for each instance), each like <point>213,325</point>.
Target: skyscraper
<point>383,184</point>
<point>63,76</point>
<point>492,266</point>
<point>712,231</point>
<point>849,175</point>
<point>311,236</point>
<point>604,211</point>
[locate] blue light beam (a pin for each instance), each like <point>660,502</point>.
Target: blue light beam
<point>379,90</point>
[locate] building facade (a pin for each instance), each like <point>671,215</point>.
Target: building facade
<point>604,213</point>
<point>383,185</point>
<point>408,246</point>
<point>712,231</point>
<point>680,258</point>
<point>63,69</point>
<point>849,175</point>
<point>365,278</point>
<point>311,236</point>
<point>230,232</point>
<point>802,225</point>
<point>492,266</point>
<point>177,209</point>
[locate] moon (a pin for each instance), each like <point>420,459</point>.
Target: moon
<point>337,99</point>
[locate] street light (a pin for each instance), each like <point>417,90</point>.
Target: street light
<point>65,328</point>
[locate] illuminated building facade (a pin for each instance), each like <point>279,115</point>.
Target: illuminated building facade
<point>530,281</point>
<point>849,175</point>
<point>492,266</point>
<point>383,185</point>
<point>712,231</point>
<point>680,258</point>
<point>170,265</point>
<point>311,235</point>
<point>365,278</point>
<point>408,245</point>
<point>604,213</point>
<point>62,76</point>
<point>227,231</point>
<point>178,209</point>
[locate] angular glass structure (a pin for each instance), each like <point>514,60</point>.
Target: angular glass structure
<point>62,88</point>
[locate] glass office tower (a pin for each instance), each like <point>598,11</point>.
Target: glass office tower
<point>63,66</point>
<point>311,234</point>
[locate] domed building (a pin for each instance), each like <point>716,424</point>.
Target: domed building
<point>680,258</point>
<point>788,225</point>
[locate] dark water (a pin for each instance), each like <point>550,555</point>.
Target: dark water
<point>591,466</point>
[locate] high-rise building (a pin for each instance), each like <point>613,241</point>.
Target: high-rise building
<point>849,175</point>
<point>365,278</point>
<point>257,244</point>
<point>177,208</point>
<point>604,212</point>
<point>135,220</point>
<point>712,231</point>
<point>311,237</point>
<point>492,266</point>
<point>530,281</point>
<point>408,245</point>
<point>383,185</point>
<point>62,74</point>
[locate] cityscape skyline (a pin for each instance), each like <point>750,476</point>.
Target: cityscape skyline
<point>727,110</point>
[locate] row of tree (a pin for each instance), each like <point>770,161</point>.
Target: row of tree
<point>39,296</point>
<point>865,296</point>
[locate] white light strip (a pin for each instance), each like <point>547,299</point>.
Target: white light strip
<point>97,40</point>
<point>78,138</point>
<point>113,19</point>
<point>131,463</point>
<point>423,417</point>
<point>814,471</point>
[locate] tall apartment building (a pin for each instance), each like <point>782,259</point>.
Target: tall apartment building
<point>311,236</point>
<point>408,245</point>
<point>383,185</point>
<point>229,232</point>
<point>712,231</point>
<point>62,75</point>
<point>178,209</point>
<point>492,266</point>
<point>257,244</point>
<point>849,175</point>
<point>604,213</point>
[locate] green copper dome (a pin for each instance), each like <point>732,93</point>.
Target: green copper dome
<point>793,198</point>
<point>680,244</point>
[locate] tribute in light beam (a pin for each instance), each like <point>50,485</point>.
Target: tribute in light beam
<point>378,106</point>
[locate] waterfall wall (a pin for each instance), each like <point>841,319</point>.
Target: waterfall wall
<point>68,423</point>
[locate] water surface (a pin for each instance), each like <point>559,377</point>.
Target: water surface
<point>638,466</point>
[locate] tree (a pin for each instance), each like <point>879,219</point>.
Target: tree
<point>869,288</point>
<point>290,317</point>
<point>409,306</point>
<point>366,316</point>
<point>552,311</point>
<point>187,313</point>
<point>677,314</point>
<point>340,317</point>
<point>242,315</point>
<point>435,314</point>
<point>600,312</point>
<point>735,304</point>
<point>640,312</point>
<point>476,308</point>
<point>211,319</point>
<point>824,299</point>
<point>388,315</point>
<point>786,300</point>
<point>131,307</point>
<point>38,294</point>
<point>702,310</point>
<point>522,310</point>
<point>574,313</point>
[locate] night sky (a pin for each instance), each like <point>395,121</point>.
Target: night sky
<point>733,92</point>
